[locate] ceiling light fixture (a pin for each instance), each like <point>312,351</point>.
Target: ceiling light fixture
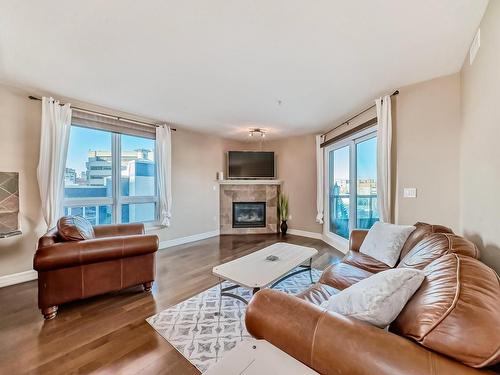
<point>257,131</point>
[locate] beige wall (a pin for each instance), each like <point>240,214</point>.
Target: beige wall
<point>195,160</point>
<point>296,166</point>
<point>427,133</point>
<point>480,142</point>
<point>19,145</point>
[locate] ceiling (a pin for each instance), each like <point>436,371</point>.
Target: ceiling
<point>223,66</point>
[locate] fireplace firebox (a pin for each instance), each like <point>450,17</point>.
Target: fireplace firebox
<point>249,214</point>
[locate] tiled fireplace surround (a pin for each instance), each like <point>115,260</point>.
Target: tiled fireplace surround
<point>248,191</point>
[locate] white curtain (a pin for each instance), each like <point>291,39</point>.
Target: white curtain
<point>319,180</point>
<point>55,128</point>
<point>384,141</point>
<point>164,172</point>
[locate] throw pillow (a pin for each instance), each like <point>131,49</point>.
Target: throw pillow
<point>75,228</point>
<point>384,242</point>
<point>378,299</point>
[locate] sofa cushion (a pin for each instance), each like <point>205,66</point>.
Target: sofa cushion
<point>384,242</point>
<point>455,311</point>
<point>75,228</point>
<point>365,262</point>
<point>317,293</point>
<point>342,275</point>
<point>436,245</point>
<point>378,299</point>
<point>421,231</point>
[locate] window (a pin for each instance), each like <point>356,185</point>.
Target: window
<point>110,177</point>
<point>351,183</point>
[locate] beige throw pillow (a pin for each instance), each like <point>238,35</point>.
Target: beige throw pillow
<point>378,299</point>
<point>384,242</point>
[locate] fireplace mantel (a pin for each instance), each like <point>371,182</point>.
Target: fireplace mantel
<point>250,182</point>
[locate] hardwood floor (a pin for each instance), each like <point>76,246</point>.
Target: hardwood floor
<point>109,334</point>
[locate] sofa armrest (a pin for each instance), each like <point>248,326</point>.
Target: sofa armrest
<point>356,238</point>
<point>333,344</point>
<point>113,230</point>
<point>75,253</point>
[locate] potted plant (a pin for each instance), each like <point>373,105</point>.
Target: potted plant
<point>283,212</point>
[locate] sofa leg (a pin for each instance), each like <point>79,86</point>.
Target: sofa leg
<point>49,312</point>
<point>147,286</point>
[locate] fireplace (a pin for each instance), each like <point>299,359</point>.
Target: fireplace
<point>249,214</point>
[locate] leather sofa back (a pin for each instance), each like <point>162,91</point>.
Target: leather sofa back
<point>50,238</point>
<point>421,231</point>
<point>436,245</point>
<point>455,311</point>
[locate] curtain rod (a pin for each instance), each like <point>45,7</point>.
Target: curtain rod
<point>108,116</point>
<point>356,115</point>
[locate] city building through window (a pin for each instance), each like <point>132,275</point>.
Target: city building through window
<point>351,162</point>
<point>110,177</point>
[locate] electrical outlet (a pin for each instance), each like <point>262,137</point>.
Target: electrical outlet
<point>290,217</point>
<point>410,192</point>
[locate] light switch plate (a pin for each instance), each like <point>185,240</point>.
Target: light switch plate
<point>410,192</point>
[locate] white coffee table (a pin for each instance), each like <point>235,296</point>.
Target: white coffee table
<point>258,357</point>
<point>255,271</point>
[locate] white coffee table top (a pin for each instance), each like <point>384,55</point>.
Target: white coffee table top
<point>258,357</point>
<point>254,271</point>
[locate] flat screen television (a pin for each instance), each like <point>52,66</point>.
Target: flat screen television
<point>250,164</point>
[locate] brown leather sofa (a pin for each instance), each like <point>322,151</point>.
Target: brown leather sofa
<point>107,258</point>
<point>450,326</point>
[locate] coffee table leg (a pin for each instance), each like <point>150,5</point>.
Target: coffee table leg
<point>310,270</point>
<point>303,268</point>
<point>220,297</point>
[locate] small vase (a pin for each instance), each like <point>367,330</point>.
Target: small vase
<point>284,227</point>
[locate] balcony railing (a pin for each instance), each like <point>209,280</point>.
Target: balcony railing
<point>366,213</point>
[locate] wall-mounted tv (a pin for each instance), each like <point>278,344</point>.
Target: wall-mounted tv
<point>250,164</point>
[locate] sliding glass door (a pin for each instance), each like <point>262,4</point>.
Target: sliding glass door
<point>351,184</point>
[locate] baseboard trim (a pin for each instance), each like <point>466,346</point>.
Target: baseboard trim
<point>188,239</point>
<point>304,233</point>
<point>341,245</point>
<point>17,278</point>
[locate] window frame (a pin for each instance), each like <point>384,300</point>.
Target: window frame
<point>117,200</point>
<point>351,141</point>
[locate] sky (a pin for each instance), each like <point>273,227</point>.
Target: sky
<point>366,163</point>
<point>81,140</point>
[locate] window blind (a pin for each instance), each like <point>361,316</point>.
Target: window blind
<point>112,124</point>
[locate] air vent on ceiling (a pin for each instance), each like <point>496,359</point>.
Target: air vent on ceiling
<point>474,48</point>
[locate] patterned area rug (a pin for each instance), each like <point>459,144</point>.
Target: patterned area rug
<point>196,330</point>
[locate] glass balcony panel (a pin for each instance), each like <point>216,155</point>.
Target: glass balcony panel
<point>366,184</point>
<point>339,191</point>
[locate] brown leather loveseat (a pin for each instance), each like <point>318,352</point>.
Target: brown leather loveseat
<point>451,325</point>
<point>76,260</point>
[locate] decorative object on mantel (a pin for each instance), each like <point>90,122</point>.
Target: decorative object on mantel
<point>220,176</point>
<point>9,204</point>
<point>283,212</point>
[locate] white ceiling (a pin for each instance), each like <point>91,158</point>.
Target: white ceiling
<point>292,67</point>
